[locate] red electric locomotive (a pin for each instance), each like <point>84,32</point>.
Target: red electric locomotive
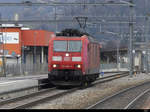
<point>73,60</point>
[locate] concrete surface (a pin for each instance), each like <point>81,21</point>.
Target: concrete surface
<point>8,84</point>
<point>17,84</point>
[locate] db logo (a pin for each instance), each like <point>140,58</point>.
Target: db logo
<point>66,58</point>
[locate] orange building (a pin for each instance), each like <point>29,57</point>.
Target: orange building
<point>35,37</point>
<point>10,38</point>
<point>23,48</point>
<point>28,46</point>
<point>35,46</point>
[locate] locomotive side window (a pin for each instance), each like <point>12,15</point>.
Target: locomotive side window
<point>94,54</point>
<point>95,48</point>
<point>88,47</point>
<point>60,46</point>
<point>74,46</point>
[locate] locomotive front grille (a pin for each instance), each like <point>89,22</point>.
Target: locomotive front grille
<point>66,75</point>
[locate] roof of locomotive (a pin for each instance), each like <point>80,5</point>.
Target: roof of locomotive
<point>91,39</point>
<point>74,33</point>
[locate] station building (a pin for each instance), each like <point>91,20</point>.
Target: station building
<point>109,57</point>
<point>23,45</point>
<point>35,46</point>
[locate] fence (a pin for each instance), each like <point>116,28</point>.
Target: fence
<point>18,69</point>
<point>114,67</point>
<point>108,66</point>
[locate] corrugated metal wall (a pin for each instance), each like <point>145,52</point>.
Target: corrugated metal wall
<point>36,37</point>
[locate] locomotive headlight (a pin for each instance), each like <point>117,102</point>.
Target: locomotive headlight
<point>76,58</point>
<point>78,66</point>
<point>67,54</point>
<point>57,58</point>
<point>54,65</point>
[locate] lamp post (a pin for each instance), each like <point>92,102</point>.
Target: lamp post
<point>55,19</point>
<point>143,60</point>
<point>147,42</point>
<point>22,58</point>
<point>3,55</point>
<point>1,44</point>
<point>118,54</point>
<point>146,32</point>
<point>34,65</point>
<point>131,40</point>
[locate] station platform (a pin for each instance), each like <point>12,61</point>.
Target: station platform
<point>24,77</point>
<point>8,84</point>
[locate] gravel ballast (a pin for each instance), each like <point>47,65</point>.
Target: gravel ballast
<point>86,97</point>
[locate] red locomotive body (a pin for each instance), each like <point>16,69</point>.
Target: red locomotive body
<point>73,60</point>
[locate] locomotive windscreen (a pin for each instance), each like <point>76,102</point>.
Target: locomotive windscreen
<point>69,46</point>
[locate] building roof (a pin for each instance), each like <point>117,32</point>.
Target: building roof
<point>12,25</point>
<point>36,37</point>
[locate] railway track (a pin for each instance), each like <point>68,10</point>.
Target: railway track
<point>111,77</point>
<point>9,94</point>
<point>10,103</point>
<point>34,98</point>
<point>130,98</point>
<point>139,101</point>
<point>30,100</point>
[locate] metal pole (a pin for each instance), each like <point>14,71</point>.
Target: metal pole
<point>131,40</point>
<point>123,3</point>
<point>147,42</point>
<point>55,20</point>
<point>118,47</point>
<point>147,32</point>
<point>118,56</point>
<point>34,51</point>
<point>3,57</point>
<point>100,27</point>
<point>118,53</point>
<point>22,64</point>
<point>42,55</point>
<point>62,20</point>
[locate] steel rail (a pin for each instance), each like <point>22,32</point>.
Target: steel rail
<point>11,100</point>
<point>136,99</point>
<point>100,80</point>
<point>121,92</point>
<point>118,74</point>
<point>41,100</point>
<point>27,105</point>
<point>110,78</point>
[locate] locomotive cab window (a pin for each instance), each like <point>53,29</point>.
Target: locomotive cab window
<point>74,46</point>
<point>69,46</point>
<point>60,46</point>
